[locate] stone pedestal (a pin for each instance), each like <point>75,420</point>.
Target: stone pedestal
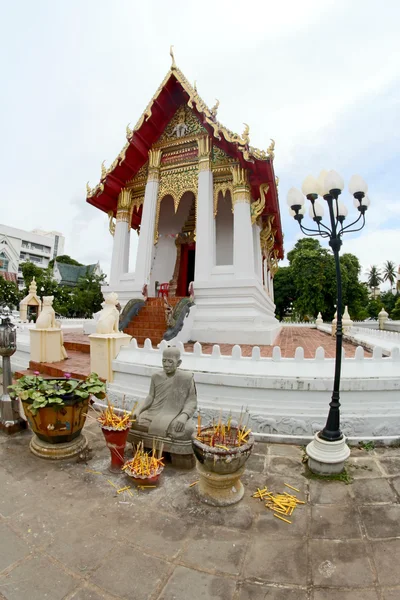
<point>217,489</point>
<point>58,451</point>
<point>327,458</point>
<point>104,347</point>
<point>46,345</point>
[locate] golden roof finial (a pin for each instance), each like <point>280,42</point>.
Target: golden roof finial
<point>103,170</point>
<point>270,149</point>
<point>195,86</point>
<point>173,65</point>
<point>129,132</point>
<point>215,108</point>
<point>245,134</point>
<point>88,189</point>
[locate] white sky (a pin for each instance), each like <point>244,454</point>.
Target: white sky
<point>320,77</point>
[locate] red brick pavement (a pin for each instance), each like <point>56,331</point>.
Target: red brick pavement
<point>289,339</point>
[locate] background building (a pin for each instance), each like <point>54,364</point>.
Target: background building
<point>68,275</point>
<point>18,246</point>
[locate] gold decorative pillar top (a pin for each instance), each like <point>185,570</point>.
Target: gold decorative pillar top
<point>241,187</point>
<point>124,205</point>
<point>154,165</point>
<point>204,144</point>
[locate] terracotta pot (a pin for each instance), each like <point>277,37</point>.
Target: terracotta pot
<point>116,441</point>
<point>58,424</point>
<point>217,460</point>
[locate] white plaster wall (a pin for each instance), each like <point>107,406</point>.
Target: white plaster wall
<point>224,231</point>
<point>284,397</point>
<point>257,252</point>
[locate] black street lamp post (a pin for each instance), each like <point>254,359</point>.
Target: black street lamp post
<point>10,421</point>
<point>329,186</point>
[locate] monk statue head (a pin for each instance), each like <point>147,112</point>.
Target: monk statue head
<point>171,360</point>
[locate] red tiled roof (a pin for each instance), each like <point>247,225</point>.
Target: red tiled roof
<point>9,276</point>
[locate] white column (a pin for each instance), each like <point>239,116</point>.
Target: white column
<point>120,253</point>
<point>148,223</point>
<point>243,246</point>
<point>205,238</point>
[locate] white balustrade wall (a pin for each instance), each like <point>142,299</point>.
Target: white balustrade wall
<point>286,398</point>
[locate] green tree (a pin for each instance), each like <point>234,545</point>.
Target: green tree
<point>389,272</point>
<point>388,300</point>
<point>374,279</point>
<point>311,281</point>
<point>9,293</point>
<point>284,291</point>
<point>46,286</point>
<point>86,297</point>
<point>65,259</point>
<point>396,311</point>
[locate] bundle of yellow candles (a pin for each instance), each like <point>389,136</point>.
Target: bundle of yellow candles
<point>144,465</point>
<point>112,420</point>
<point>223,435</point>
<point>280,504</point>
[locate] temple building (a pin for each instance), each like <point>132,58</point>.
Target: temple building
<point>205,205</point>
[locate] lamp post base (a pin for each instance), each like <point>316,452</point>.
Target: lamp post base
<point>10,421</point>
<point>327,458</point>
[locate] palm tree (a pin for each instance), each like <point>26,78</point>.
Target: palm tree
<point>374,279</point>
<point>389,272</point>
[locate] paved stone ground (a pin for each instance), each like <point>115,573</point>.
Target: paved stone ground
<point>65,534</point>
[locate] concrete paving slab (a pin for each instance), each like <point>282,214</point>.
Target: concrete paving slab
<point>395,482</point>
<point>256,462</point>
<point>131,574</point>
<point>160,534</point>
<point>12,547</point>
<point>324,594</point>
<point>252,591</point>
<point>283,561</point>
<point>372,491</point>
<point>219,550</point>
<point>336,563</point>
<point>393,594</point>
<point>85,593</point>
<point>285,450</point>
<point>330,492</point>
<point>37,579</point>
<point>391,465</point>
<point>329,523</point>
<point>269,526</point>
<point>186,583</point>
<point>387,559</point>
<point>382,523</point>
<point>284,465</point>
<point>360,468</point>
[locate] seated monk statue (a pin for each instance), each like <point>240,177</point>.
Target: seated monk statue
<point>172,401</point>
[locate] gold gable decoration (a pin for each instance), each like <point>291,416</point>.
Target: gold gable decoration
<point>175,182</point>
<point>184,123</point>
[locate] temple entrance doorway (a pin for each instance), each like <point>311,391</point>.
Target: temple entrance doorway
<point>186,270</point>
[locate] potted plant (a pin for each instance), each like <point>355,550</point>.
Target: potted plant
<point>221,452</point>
<point>56,409</point>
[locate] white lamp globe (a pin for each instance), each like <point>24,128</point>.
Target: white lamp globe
<point>333,181</point>
<point>357,184</point>
<point>295,197</point>
<point>310,185</point>
<point>366,201</point>
<point>342,210</point>
<point>318,208</point>
<point>321,183</point>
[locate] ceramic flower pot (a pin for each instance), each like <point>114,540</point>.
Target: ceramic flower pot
<point>58,424</point>
<point>220,471</point>
<point>116,441</point>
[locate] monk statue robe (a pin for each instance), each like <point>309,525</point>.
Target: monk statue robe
<point>172,401</point>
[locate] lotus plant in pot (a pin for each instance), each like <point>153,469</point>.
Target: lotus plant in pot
<point>221,451</point>
<point>56,411</point>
